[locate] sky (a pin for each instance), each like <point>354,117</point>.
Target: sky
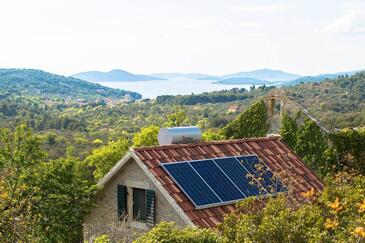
<point>216,37</point>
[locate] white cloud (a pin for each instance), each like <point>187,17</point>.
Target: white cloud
<point>352,22</point>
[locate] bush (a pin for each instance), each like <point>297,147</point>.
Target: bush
<point>251,123</point>
<point>168,232</point>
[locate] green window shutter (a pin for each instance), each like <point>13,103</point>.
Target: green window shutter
<point>122,201</point>
<point>150,207</point>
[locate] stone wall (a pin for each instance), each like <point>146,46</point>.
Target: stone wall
<point>103,218</point>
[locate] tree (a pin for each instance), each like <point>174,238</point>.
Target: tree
<point>146,137</point>
<point>289,130</point>
<point>105,157</point>
<point>251,123</point>
<point>40,201</point>
<point>177,119</point>
<point>213,135</point>
<point>311,145</point>
<point>64,197</point>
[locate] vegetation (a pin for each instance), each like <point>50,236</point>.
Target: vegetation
<point>337,103</point>
<point>234,94</point>
<point>60,135</point>
<point>102,159</point>
<point>36,196</point>
<point>31,82</point>
<point>336,215</point>
<point>251,123</point>
<point>146,137</point>
<point>349,146</point>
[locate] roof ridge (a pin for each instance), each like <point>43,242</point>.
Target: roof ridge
<point>172,146</point>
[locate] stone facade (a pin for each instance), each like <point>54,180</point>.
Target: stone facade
<point>103,218</point>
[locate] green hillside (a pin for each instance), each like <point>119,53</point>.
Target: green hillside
<point>337,103</point>
<point>31,82</point>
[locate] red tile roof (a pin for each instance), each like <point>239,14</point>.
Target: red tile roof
<point>279,158</point>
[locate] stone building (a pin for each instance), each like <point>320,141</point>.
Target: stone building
<point>138,192</point>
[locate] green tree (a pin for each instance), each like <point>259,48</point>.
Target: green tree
<point>251,123</point>
<point>40,201</point>
<point>213,135</point>
<point>146,137</point>
<point>64,197</point>
<point>289,130</point>
<point>105,157</point>
<point>311,146</point>
<point>177,119</point>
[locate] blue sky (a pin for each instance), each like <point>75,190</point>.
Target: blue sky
<point>209,36</point>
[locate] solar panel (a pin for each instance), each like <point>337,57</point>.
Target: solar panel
<point>217,180</point>
<point>191,183</point>
<point>263,176</point>
<point>237,173</point>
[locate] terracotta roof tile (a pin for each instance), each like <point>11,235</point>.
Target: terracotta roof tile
<point>276,154</point>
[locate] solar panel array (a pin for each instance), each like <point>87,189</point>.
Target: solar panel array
<point>219,181</point>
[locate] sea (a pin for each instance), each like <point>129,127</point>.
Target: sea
<point>174,86</point>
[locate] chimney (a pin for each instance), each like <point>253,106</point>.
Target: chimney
<point>179,135</point>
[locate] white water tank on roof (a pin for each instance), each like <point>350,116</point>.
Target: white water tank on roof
<point>179,135</point>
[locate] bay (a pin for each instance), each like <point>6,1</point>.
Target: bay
<point>175,86</point>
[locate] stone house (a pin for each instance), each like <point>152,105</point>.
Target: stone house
<point>138,192</point>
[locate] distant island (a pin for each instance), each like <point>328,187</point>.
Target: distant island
<point>198,76</point>
<point>116,75</point>
<point>234,81</point>
<point>264,74</point>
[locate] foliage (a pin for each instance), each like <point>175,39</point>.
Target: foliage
<point>335,215</point>
<point>146,137</point>
<point>251,123</point>
<point>35,196</point>
<point>42,84</point>
<point>61,183</point>
<point>102,239</point>
<point>169,232</point>
<point>213,135</point>
<point>105,157</point>
<point>332,217</point>
<point>337,103</point>
<point>234,94</point>
<point>311,145</point>
<point>289,130</point>
<point>177,119</point>
<point>349,145</point>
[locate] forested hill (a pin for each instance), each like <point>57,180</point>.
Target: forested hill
<point>32,82</point>
<point>338,102</point>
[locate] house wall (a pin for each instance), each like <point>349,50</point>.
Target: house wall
<point>103,218</point>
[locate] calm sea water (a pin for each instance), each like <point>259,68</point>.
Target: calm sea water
<point>152,89</point>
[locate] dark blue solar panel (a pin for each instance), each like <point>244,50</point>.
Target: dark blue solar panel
<point>217,180</point>
<point>235,171</point>
<point>260,171</point>
<point>190,182</point>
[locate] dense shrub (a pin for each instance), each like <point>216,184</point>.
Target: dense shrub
<point>251,123</point>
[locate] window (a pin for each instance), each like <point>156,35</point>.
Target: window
<point>122,202</point>
<point>139,205</point>
<point>143,205</point>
